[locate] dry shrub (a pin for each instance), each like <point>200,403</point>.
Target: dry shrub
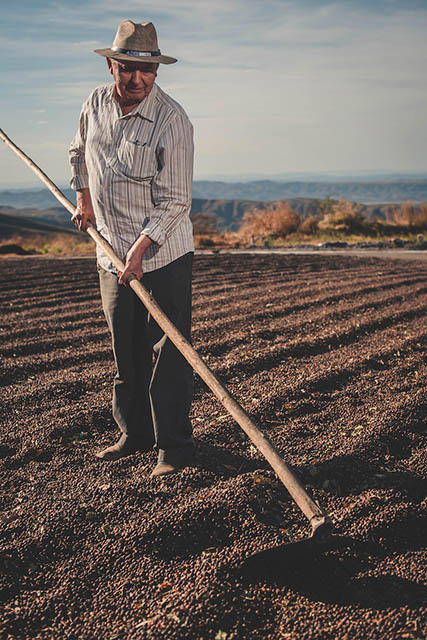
<point>52,243</point>
<point>203,241</point>
<point>204,223</point>
<point>225,239</point>
<point>231,239</point>
<point>410,215</point>
<point>344,216</point>
<point>309,225</point>
<point>276,221</point>
<point>422,219</point>
<point>404,216</point>
<point>205,231</point>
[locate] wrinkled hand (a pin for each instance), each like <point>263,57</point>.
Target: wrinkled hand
<point>133,265</point>
<point>84,211</point>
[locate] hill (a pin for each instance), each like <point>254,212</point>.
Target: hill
<point>367,192</point>
<point>14,221</point>
<point>224,214</point>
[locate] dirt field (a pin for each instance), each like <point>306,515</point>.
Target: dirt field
<point>327,354</point>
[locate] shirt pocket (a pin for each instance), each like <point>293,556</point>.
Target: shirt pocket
<point>136,160</point>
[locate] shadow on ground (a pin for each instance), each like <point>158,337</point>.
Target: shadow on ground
<point>338,571</point>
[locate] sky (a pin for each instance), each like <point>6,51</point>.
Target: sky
<point>271,86</point>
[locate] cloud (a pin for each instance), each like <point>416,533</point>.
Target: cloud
<point>282,80</point>
<point>86,44</point>
<point>65,93</point>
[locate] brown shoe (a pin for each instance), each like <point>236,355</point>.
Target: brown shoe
<point>121,449</point>
<point>115,452</point>
<point>163,469</point>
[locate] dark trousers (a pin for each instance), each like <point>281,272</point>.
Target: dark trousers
<point>153,386</point>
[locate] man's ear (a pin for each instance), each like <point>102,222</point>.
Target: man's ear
<point>110,65</point>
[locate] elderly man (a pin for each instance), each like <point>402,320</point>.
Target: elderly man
<point>132,165</point>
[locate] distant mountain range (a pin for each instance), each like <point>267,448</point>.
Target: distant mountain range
<point>319,176</point>
<point>368,192</point>
<point>270,190</point>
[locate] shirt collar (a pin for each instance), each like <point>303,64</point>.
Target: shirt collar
<point>147,108</point>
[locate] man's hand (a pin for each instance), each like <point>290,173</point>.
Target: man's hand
<point>134,256</point>
<point>84,210</point>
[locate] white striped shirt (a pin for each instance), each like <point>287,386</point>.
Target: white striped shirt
<point>139,170</point>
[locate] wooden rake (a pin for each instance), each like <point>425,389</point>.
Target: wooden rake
<point>318,518</point>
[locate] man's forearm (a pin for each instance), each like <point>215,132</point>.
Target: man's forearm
<point>141,245</point>
<point>84,210</point>
<point>134,257</point>
<point>83,198</point>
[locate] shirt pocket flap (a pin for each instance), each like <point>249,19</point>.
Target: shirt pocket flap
<point>136,160</point>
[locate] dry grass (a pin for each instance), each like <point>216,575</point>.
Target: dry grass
<point>273,226</point>
<point>277,221</point>
<point>344,216</point>
<point>410,215</point>
<point>226,239</point>
<point>57,243</point>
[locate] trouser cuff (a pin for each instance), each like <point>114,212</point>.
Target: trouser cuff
<point>177,457</point>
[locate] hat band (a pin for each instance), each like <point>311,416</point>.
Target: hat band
<point>137,54</point>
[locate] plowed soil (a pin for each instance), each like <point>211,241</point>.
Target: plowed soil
<point>326,353</point>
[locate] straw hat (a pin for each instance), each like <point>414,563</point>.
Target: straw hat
<point>135,42</point>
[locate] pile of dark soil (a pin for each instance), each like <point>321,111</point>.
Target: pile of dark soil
<point>327,354</point>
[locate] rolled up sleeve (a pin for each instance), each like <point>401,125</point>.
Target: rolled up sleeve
<point>171,186</point>
<point>76,152</point>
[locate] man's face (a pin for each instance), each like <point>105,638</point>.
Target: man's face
<point>133,80</point>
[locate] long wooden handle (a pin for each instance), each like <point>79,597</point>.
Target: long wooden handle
<point>41,174</point>
<point>311,510</point>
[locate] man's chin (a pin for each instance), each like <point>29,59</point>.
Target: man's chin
<point>139,95</point>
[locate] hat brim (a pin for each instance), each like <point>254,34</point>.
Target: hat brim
<point>110,53</point>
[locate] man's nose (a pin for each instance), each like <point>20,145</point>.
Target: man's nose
<point>136,77</point>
